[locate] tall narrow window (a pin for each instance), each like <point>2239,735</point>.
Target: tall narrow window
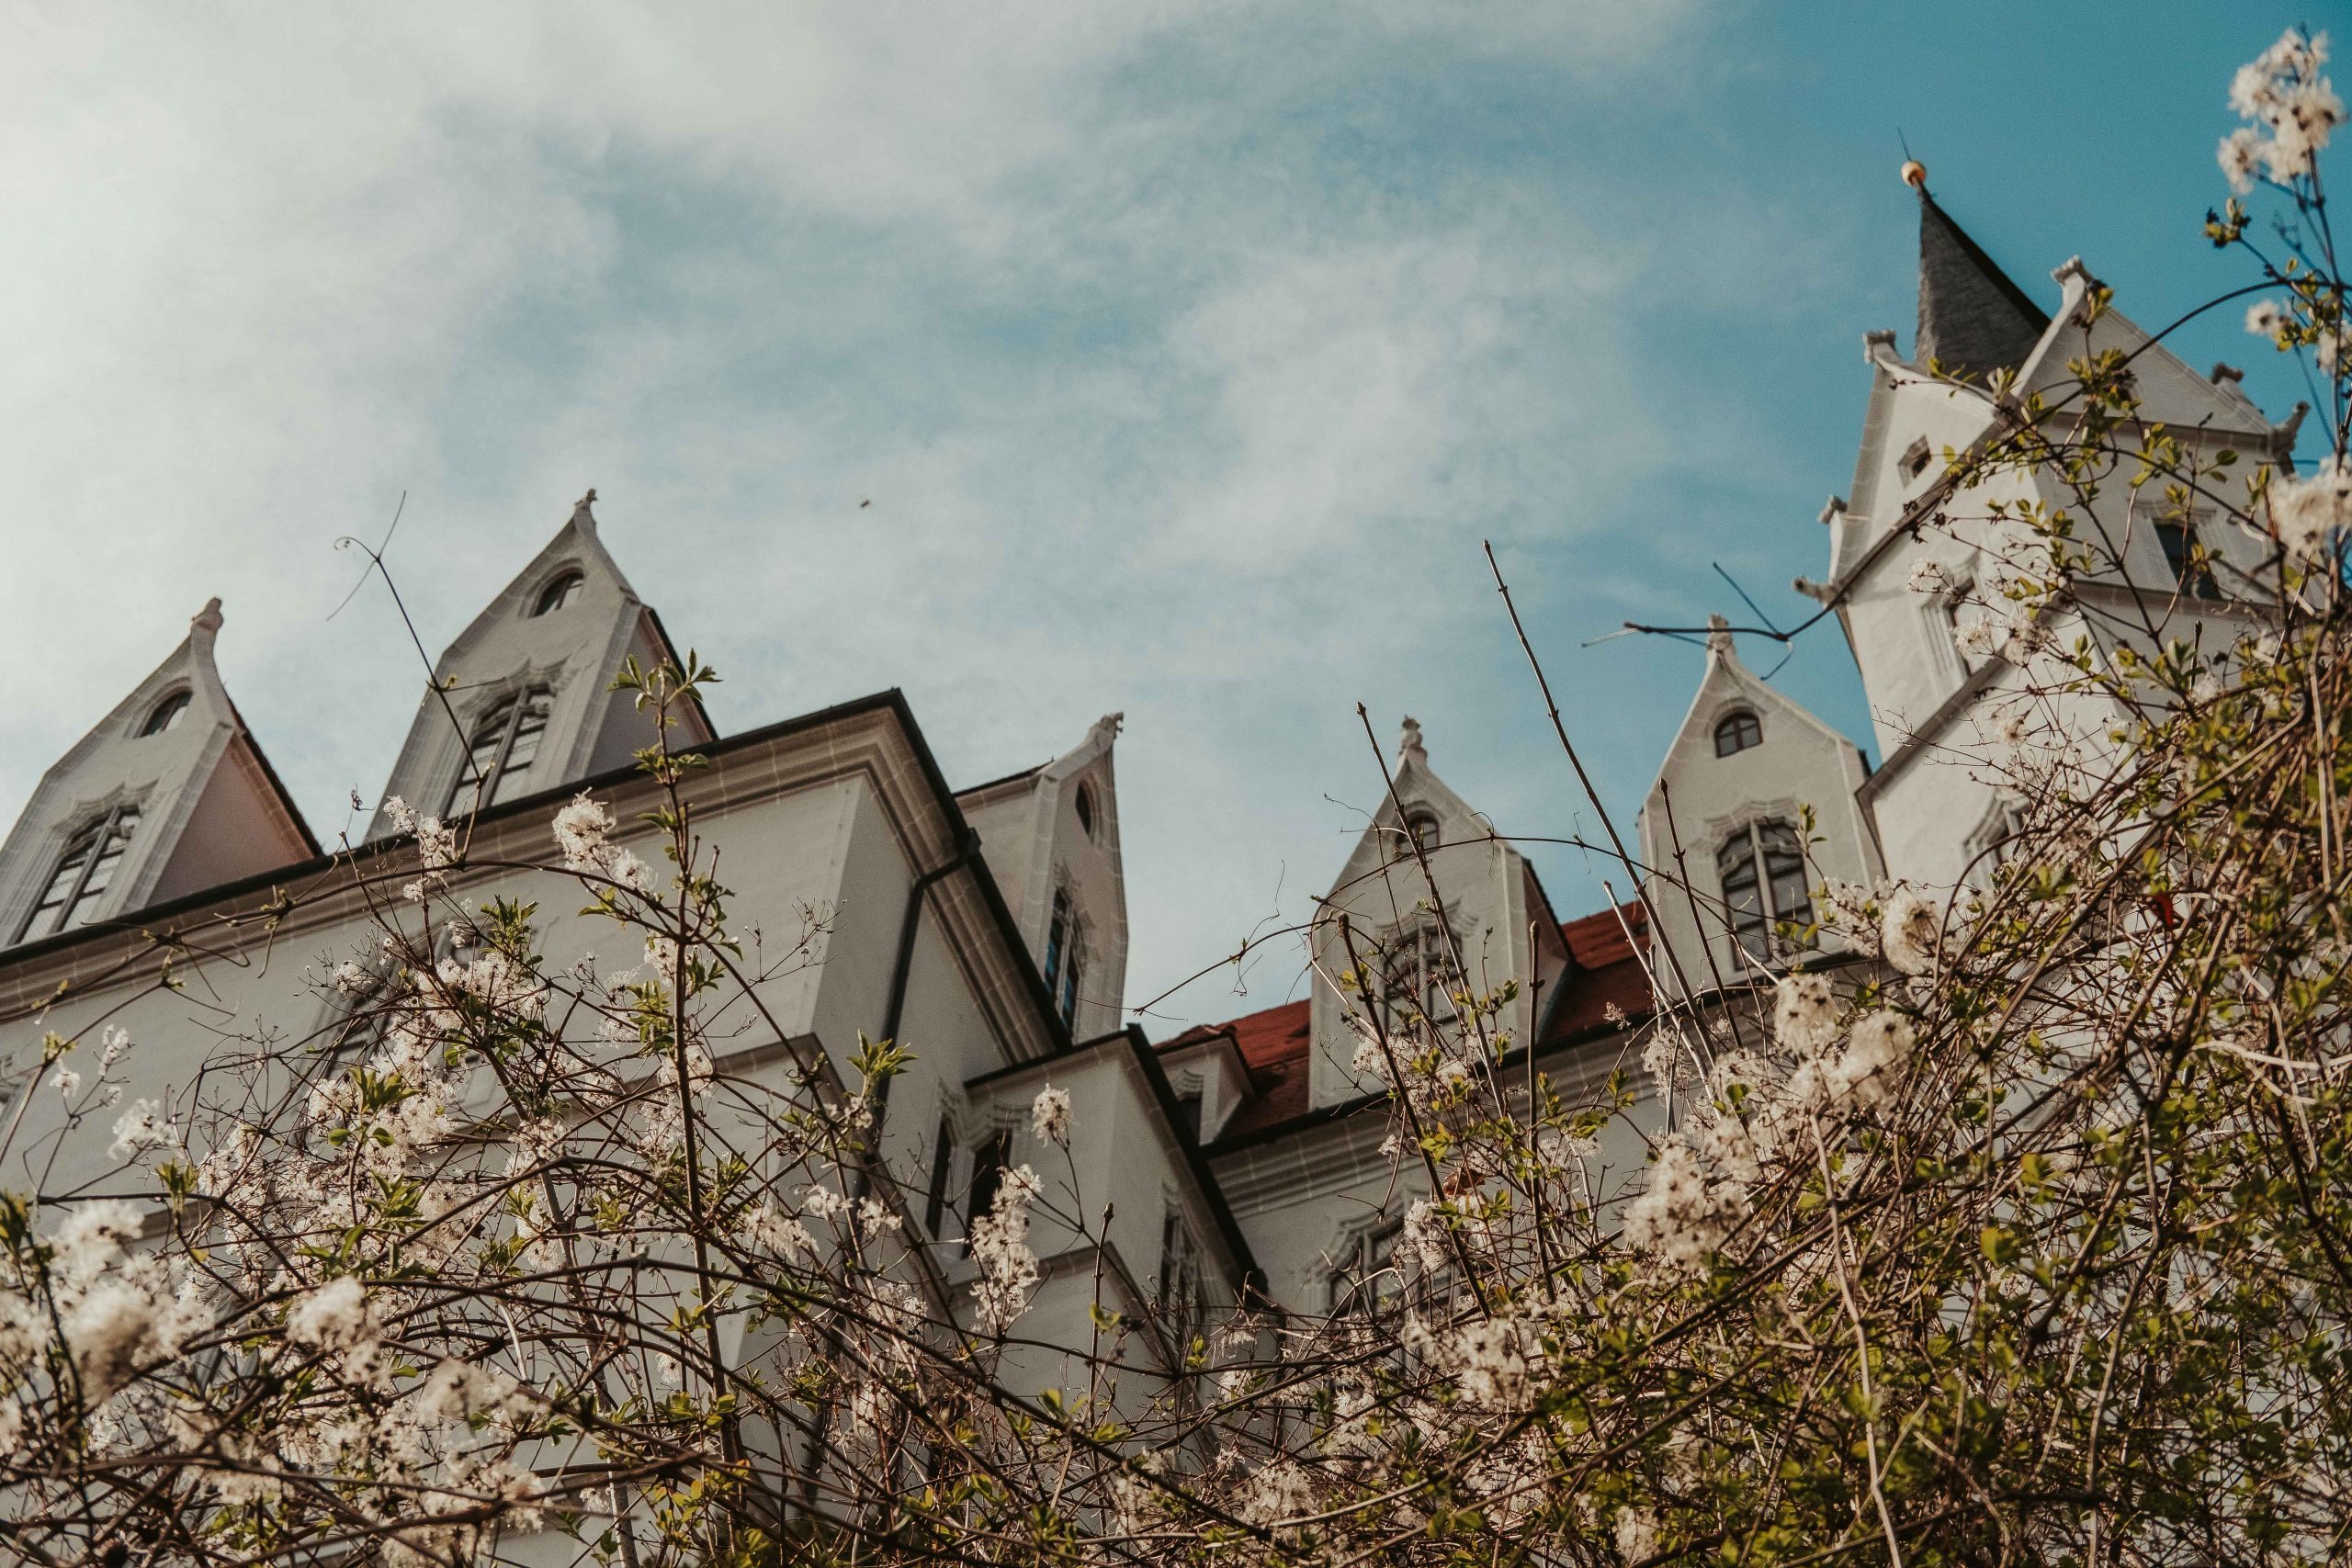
<point>1763,873</point>
<point>1737,732</point>
<point>563,590</point>
<point>987,1175</point>
<point>165,714</point>
<point>942,1159</point>
<point>2192,568</point>
<point>1416,975</point>
<point>1057,940</point>
<point>77,886</point>
<point>1086,809</point>
<point>1369,1281</point>
<point>1181,1300</point>
<point>505,743</point>
<point>1069,1004</point>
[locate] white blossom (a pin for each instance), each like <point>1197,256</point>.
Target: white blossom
<point>2240,155</point>
<point>1049,1115</point>
<point>581,830</point>
<point>335,1316</point>
<point>1491,1360</point>
<point>1911,933</point>
<point>2283,92</point>
<point>1000,1243</point>
<point>762,1226</point>
<point>140,1129</point>
<point>2309,512</point>
<point>2264,318</point>
<point>1875,1052</point>
<point>1679,1216</point>
<point>1929,577</point>
<point>66,1082</point>
<point>1805,1014</point>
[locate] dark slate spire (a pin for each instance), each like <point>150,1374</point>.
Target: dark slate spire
<point>1971,316</point>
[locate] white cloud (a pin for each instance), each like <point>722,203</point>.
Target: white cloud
<point>1179,385</point>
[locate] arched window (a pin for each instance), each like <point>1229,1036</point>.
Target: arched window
<point>1086,809</point>
<point>1737,732</point>
<point>1762,867</point>
<point>166,714</point>
<point>1056,939</point>
<point>1422,826</point>
<point>1416,979</point>
<point>563,590</point>
<point>505,743</point>
<point>77,885</point>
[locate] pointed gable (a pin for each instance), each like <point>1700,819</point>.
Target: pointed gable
<point>1381,914</point>
<point>1050,836</point>
<point>169,794</point>
<point>1746,756</point>
<point>522,703</point>
<point>2169,392</point>
<point>1973,317</point>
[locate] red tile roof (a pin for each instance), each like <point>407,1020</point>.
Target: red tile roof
<point>1275,1044</point>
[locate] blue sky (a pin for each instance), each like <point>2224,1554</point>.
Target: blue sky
<point>1186,353</point>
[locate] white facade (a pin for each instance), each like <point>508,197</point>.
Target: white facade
<point>986,929</point>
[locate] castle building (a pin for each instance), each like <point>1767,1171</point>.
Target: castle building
<point>987,925</point>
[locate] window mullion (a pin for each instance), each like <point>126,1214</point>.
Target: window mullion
<point>99,847</point>
<point>486,787</point>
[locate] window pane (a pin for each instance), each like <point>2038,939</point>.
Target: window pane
<point>166,715</point>
<point>1783,869</point>
<point>529,727</point>
<point>1056,937</point>
<point>1743,895</point>
<point>559,594</point>
<point>49,913</point>
<point>490,737</point>
<point>1069,993</point>
<point>85,904</point>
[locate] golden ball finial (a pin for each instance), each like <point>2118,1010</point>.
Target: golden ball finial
<point>1914,173</point>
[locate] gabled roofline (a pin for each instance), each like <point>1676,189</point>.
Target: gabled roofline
<point>1341,1111</point>
<point>1163,1095</point>
<point>892,701</point>
<point>277,785</point>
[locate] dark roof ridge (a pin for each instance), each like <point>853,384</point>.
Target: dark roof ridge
<point>1972,316</point>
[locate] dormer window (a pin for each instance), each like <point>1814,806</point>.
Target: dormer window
<point>2191,564</point>
<point>1737,732</point>
<point>77,886</point>
<point>1916,458</point>
<point>166,714</point>
<point>1763,872</point>
<point>563,590</point>
<point>505,743</point>
<point>1422,826</point>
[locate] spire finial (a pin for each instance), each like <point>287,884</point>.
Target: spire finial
<point>580,517</point>
<point>1719,636</point>
<point>1408,743</point>
<point>1915,175</point>
<point>207,620</point>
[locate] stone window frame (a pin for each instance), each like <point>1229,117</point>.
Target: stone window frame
<point>99,812</point>
<point>457,748</point>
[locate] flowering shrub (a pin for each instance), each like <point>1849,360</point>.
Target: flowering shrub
<point>2018,1234</point>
